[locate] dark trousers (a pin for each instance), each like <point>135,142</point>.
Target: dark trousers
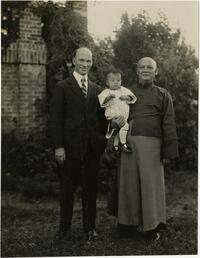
<point>76,172</point>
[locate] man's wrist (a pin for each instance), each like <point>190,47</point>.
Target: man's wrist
<point>114,125</point>
<point>117,122</point>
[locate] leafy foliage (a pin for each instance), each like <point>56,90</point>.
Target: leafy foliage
<point>28,166</point>
<point>103,60</point>
<point>11,11</point>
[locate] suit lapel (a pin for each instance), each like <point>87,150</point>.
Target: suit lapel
<point>76,88</point>
<point>89,91</point>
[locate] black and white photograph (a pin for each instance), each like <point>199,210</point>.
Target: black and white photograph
<point>99,128</point>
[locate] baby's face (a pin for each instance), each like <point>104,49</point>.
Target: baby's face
<point>114,81</point>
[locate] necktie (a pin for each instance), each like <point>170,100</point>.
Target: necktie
<point>83,87</point>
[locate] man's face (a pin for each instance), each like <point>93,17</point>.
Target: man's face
<point>83,61</point>
<point>114,81</point>
<point>146,70</point>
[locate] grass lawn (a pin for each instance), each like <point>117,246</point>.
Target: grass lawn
<point>29,226</point>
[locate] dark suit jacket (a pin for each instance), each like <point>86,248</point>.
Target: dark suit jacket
<point>76,121</point>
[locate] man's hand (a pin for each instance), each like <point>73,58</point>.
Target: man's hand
<point>118,122</point>
<point>108,98</point>
<point>60,155</point>
<point>125,97</point>
<point>166,161</point>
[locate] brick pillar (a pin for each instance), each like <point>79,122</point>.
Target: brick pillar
<point>24,80</point>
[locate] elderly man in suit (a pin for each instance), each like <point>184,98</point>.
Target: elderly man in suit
<point>78,130</point>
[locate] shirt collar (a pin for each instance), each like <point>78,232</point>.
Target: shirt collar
<point>147,84</point>
<point>78,77</point>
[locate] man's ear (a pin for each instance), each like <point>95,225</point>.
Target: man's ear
<point>156,71</point>
<point>136,64</point>
<point>73,61</point>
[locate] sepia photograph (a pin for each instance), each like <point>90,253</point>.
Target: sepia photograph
<point>99,128</point>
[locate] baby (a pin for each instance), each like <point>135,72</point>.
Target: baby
<point>116,100</point>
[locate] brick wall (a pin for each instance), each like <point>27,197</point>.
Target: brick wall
<point>24,80</point>
<point>9,97</point>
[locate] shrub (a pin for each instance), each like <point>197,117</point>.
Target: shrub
<point>28,166</point>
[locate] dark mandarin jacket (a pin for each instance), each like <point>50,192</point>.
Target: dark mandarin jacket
<point>75,121</point>
<point>153,115</point>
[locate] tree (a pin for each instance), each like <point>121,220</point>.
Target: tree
<point>177,72</point>
<point>103,60</point>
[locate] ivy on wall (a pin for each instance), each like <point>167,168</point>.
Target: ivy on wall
<point>10,15</point>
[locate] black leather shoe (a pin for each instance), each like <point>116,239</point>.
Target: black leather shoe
<point>125,148</point>
<point>115,148</point>
<point>127,231</point>
<point>151,235</point>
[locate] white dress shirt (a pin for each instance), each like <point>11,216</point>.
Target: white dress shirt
<point>79,77</point>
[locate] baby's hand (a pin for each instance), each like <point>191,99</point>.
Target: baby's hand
<point>125,98</point>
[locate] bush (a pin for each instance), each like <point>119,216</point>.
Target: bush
<point>28,166</point>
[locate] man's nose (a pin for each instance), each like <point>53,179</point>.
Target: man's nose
<point>84,63</point>
<point>146,70</point>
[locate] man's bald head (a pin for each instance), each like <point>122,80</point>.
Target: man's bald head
<point>148,60</point>
<point>84,50</point>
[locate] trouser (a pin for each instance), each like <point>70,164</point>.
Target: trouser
<point>76,172</point>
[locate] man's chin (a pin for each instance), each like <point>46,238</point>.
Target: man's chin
<point>84,72</point>
<point>146,79</point>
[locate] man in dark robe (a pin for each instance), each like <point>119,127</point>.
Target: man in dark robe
<point>153,139</point>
